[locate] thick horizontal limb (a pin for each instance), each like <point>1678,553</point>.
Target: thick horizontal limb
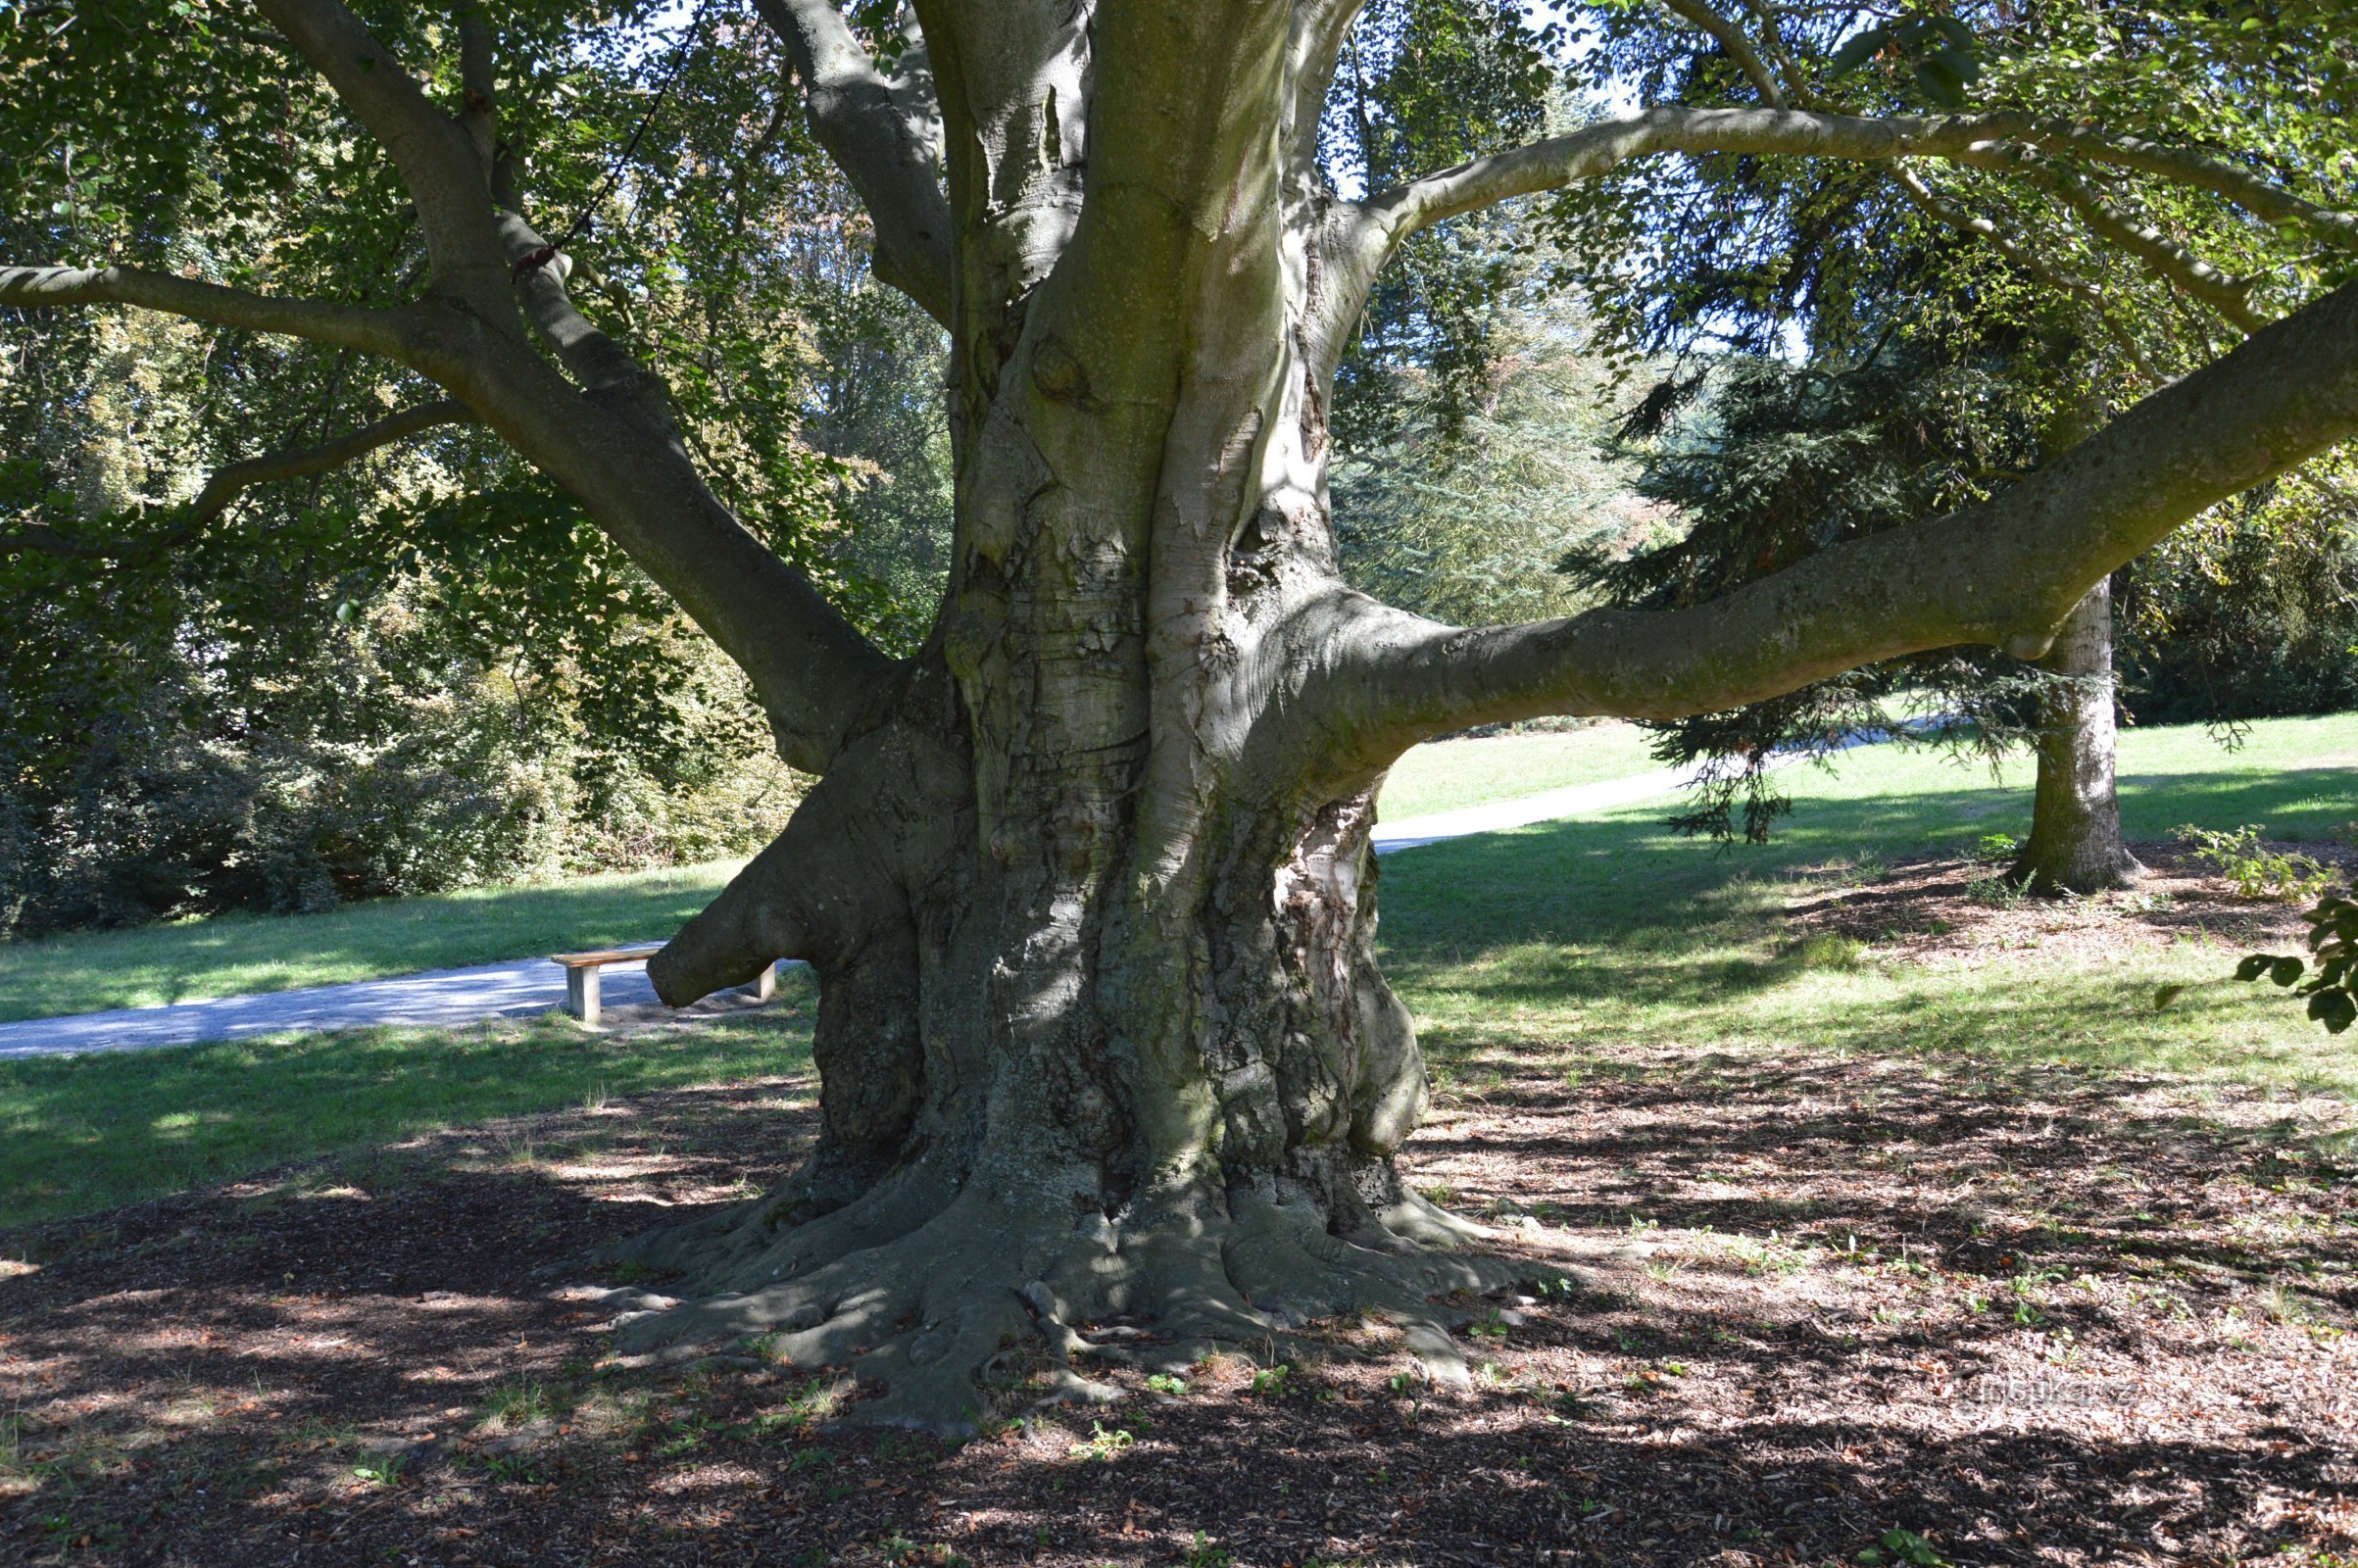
<point>1988,141</point>
<point>392,333</point>
<point>2005,571</point>
<point>1360,238</point>
<point>881,133</point>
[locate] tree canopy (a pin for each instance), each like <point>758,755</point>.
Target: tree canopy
<point>1088,876</point>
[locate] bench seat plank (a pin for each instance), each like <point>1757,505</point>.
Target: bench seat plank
<point>598,960</point>
<point>584,970</point>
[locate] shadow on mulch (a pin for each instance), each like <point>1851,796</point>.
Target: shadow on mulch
<point>2024,1315</point>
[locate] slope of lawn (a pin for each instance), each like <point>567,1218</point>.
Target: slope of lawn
<point>1446,775</point>
<point>1616,929</point>
<point>237,955</point>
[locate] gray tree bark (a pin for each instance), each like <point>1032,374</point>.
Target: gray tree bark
<point>1087,880</point>
<point>2075,844</point>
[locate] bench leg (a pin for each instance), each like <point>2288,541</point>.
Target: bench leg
<point>767,985</point>
<point>581,993</point>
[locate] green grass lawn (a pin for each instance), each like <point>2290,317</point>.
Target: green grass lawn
<point>83,1132</point>
<point>1536,944</point>
<point>1614,929</point>
<point>1446,775</point>
<point>237,955</point>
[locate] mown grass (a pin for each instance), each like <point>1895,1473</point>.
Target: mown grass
<point>80,1134</point>
<point>1447,775</point>
<point>1614,929</point>
<point>1536,944</point>
<point>239,955</point>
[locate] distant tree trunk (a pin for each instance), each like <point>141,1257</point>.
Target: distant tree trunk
<point>2075,842</point>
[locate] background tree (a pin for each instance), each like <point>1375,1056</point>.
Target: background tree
<point>1460,514</point>
<point>424,667</point>
<point>1086,877</point>
<point>2084,293</point>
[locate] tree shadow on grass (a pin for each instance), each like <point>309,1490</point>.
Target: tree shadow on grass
<point>85,1132</point>
<point>1623,880</point>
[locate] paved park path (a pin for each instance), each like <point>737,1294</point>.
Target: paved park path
<point>522,988</point>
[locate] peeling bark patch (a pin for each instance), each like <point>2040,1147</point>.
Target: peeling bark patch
<point>2033,1316</point>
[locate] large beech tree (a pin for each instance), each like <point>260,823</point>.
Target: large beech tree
<point>1086,879</point>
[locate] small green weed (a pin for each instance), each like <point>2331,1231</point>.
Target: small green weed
<point>1997,892</point>
<point>2256,870</point>
<point>1998,848</point>
<point>381,1469</point>
<point>1102,1444</point>
<point>1205,1554</point>
<point>1903,1547</point>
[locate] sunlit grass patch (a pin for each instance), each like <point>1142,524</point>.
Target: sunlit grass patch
<point>1535,945</point>
<point>241,955</point>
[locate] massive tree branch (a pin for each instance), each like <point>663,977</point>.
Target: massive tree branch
<point>392,333</point>
<point>610,440</point>
<point>884,134</point>
<point>228,483</point>
<point>1312,50</point>
<point>477,77</point>
<point>2005,571</point>
<point>436,155</point>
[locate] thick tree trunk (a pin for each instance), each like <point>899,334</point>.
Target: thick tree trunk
<point>1068,1076</point>
<point>1090,901</point>
<point>2076,843</point>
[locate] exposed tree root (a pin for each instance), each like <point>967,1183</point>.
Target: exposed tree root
<point>953,1308</point>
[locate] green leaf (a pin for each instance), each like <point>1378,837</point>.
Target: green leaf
<point>1961,61</point>
<point>1858,49</point>
<point>2163,996</point>
<point>1941,82</point>
<point>2285,970</point>
<point>2253,967</point>
<point>2335,1009</point>
<point>1955,31</point>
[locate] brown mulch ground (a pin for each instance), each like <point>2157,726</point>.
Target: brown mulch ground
<point>2026,1315</point>
<point>1943,910</point>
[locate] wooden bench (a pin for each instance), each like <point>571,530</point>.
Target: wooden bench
<point>582,969</point>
